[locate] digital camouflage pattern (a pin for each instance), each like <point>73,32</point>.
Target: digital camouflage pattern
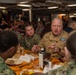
<point>4,69</point>
<point>28,42</point>
<point>67,69</point>
<point>20,38</point>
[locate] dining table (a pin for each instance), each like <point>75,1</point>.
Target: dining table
<point>32,65</point>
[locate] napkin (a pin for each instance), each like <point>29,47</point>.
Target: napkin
<point>27,58</point>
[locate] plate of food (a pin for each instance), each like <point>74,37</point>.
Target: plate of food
<point>28,72</point>
<point>13,61</point>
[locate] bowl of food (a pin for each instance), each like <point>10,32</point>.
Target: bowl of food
<point>28,72</point>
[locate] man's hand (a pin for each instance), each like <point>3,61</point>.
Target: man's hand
<point>54,48</point>
<point>35,49</point>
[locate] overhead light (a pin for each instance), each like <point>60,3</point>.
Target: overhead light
<point>63,14</point>
<point>24,5</point>
<point>71,5</point>
<point>55,2</point>
<point>2,7</point>
<point>71,16</point>
<point>25,9</point>
<point>53,7</point>
<point>74,13</point>
<point>24,2</point>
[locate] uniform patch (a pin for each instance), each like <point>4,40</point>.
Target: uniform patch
<point>62,39</point>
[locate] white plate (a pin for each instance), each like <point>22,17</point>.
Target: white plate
<point>29,71</point>
<point>13,61</point>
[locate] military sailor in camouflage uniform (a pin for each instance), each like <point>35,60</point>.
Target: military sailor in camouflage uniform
<point>4,69</point>
<point>31,38</point>
<point>70,57</point>
<point>8,47</point>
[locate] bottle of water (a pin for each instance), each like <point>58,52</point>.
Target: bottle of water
<point>41,58</point>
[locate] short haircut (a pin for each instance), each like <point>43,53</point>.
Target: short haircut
<point>28,24</point>
<point>71,43</point>
<point>4,26</point>
<point>57,18</point>
<point>7,40</point>
<point>71,23</point>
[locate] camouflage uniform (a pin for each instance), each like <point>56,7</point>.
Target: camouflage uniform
<point>28,42</point>
<point>49,39</point>
<point>4,69</point>
<point>67,69</point>
<point>20,38</point>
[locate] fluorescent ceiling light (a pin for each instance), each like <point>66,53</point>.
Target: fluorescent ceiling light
<point>52,1</point>
<point>71,16</point>
<point>74,13</point>
<point>25,9</point>
<point>24,2</point>
<point>2,7</point>
<point>71,5</point>
<point>53,7</point>
<point>63,14</point>
<point>24,5</point>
